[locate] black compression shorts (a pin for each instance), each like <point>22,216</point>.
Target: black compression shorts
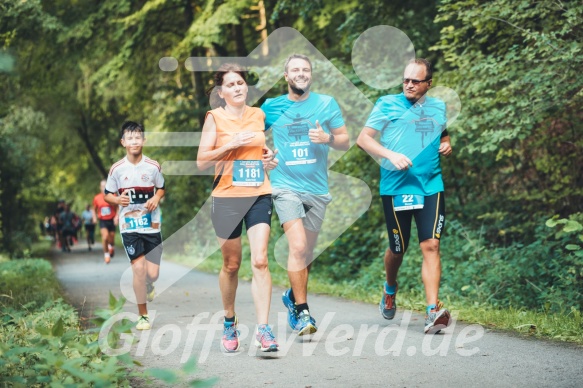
<point>430,221</point>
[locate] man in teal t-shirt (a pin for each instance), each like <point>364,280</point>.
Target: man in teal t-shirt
<point>413,136</point>
<point>304,125</point>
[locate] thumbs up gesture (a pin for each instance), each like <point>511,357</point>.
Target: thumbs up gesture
<point>317,135</point>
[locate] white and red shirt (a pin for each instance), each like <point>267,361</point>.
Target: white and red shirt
<point>141,180</point>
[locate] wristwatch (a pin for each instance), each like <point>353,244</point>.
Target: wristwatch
<point>331,140</point>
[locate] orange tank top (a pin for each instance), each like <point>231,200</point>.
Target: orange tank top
<point>244,162</point>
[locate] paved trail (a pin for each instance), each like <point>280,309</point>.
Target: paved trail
<point>354,347</point>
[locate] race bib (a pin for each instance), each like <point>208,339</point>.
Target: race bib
<point>105,211</point>
<point>408,202</point>
<point>133,223</point>
<point>300,155</point>
<point>248,173</point>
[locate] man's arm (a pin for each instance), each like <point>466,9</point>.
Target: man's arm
<point>339,140</point>
<point>366,140</point>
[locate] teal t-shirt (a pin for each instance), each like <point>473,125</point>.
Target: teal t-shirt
<point>303,165</point>
<point>415,131</point>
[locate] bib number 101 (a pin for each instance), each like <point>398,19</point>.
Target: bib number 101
<point>300,152</point>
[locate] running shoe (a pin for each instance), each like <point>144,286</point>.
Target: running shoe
<point>111,250</point>
<point>106,258</point>
<point>304,325</point>
<point>265,339</point>
<point>150,291</point>
<point>388,304</point>
<point>292,315</point>
<point>437,319</point>
<point>230,341</point>
<point>143,323</point>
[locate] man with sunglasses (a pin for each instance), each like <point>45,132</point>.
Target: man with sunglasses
<point>413,135</point>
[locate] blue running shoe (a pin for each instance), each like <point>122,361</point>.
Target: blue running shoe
<point>292,315</point>
<point>305,325</point>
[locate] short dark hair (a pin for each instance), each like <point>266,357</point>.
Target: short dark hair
<point>218,78</point>
<point>131,126</point>
<point>427,64</point>
<point>296,56</point>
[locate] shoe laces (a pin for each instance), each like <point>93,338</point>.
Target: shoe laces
<point>389,301</point>
<point>230,332</point>
<point>265,333</point>
<point>144,318</point>
<point>304,316</point>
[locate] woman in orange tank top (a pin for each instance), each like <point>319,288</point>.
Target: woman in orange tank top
<point>233,141</point>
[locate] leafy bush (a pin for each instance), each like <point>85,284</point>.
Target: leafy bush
<point>40,340</point>
<point>543,275</point>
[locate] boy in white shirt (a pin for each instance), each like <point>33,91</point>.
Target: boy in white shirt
<point>139,185</point>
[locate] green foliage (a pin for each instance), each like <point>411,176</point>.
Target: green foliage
<point>180,376</point>
<point>71,72</point>
<point>544,275</point>
<point>22,149</point>
<point>518,141</point>
<point>38,287</point>
<point>40,340</point>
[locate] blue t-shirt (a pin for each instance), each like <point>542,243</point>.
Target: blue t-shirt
<point>303,165</point>
<point>415,131</point>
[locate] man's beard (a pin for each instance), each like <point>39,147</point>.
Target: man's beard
<point>298,91</point>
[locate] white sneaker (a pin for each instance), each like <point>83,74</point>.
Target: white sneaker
<point>143,323</point>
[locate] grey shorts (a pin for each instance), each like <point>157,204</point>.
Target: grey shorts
<point>291,205</point>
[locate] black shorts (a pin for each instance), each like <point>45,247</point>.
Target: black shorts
<point>430,221</point>
<point>228,214</point>
<point>139,244</point>
<point>90,228</point>
<point>107,224</point>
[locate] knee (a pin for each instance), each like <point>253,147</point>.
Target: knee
<point>260,262</point>
<point>153,275</point>
<point>231,265</point>
<point>430,247</point>
<point>298,251</point>
<point>139,270</point>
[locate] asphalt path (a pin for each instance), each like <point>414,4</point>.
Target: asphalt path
<point>354,346</point>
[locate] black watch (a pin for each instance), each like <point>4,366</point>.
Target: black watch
<point>331,139</point>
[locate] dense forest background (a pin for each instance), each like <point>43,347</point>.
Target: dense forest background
<point>72,71</point>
